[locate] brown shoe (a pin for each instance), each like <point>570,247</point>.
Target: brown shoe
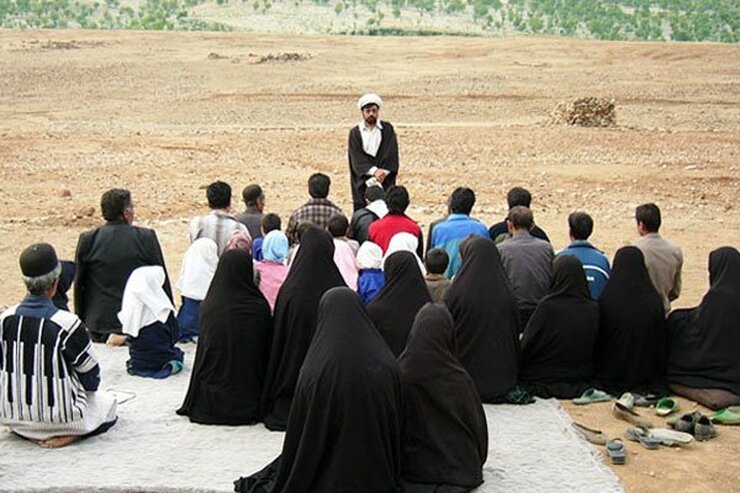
<point>621,411</point>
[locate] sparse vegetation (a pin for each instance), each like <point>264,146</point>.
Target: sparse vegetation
<point>650,20</point>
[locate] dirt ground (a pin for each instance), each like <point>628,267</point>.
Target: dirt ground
<point>164,114</point>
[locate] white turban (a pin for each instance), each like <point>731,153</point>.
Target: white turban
<point>369,98</point>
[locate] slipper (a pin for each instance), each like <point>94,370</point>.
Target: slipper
<point>666,406</point>
<point>615,451</point>
<point>685,423</point>
<point>592,436</point>
<point>670,437</point>
<point>646,400</point>
<point>643,437</point>
<point>727,416</point>
<point>704,429</point>
<point>620,411</point>
<point>592,395</point>
<point>627,400</point>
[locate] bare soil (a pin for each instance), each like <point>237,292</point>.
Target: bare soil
<point>157,113</point>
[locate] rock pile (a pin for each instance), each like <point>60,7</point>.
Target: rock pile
<point>585,112</point>
<point>284,57</point>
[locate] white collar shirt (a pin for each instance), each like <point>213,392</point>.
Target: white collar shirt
<point>371,137</point>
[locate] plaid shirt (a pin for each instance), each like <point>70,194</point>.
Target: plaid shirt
<point>317,211</point>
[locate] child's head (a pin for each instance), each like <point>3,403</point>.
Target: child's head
<point>270,222</point>
<point>275,246</point>
<point>436,261</point>
<point>338,225</point>
<point>370,256</point>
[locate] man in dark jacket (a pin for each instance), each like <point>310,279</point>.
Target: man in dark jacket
<point>105,258</point>
<point>359,228</point>
<point>373,151</point>
<point>516,196</point>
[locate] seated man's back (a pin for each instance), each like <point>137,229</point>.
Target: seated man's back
<point>663,259</point>
<point>448,234</point>
<point>48,370</point>
<point>527,261</point>
<point>218,225</point>
<point>105,258</point>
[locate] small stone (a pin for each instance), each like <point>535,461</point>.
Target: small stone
<point>88,211</point>
<point>65,193</point>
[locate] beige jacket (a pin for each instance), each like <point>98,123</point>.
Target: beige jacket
<point>664,261</point>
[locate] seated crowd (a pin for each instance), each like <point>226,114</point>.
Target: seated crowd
<point>341,331</point>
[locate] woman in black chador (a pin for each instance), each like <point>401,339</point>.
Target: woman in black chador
<point>230,360</point>
<point>631,346</point>
<point>312,273</point>
<point>704,348</point>
<point>445,438</point>
<point>558,342</point>
<point>395,307</point>
<point>344,430</point>
<point>485,314</point>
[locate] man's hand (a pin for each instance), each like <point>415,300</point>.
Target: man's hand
<point>380,174</point>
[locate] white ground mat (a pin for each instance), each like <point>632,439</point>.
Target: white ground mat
<point>151,449</point>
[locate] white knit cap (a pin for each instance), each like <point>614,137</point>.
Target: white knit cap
<point>369,98</point>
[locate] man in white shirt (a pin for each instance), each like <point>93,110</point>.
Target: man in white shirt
<point>372,151</point>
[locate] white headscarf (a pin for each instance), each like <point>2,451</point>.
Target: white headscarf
<point>370,256</point>
<point>369,98</point>
<point>405,242</point>
<point>198,268</point>
<point>144,300</point>
<point>378,207</point>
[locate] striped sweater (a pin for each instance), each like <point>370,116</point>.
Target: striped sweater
<point>47,364</point>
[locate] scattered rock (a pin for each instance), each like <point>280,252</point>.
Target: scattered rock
<point>585,112</point>
<point>285,57</point>
<point>65,193</point>
<point>60,45</point>
<point>215,56</point>
<point>87,211</point>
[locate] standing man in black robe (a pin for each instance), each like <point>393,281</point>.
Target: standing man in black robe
<point>372,150</point>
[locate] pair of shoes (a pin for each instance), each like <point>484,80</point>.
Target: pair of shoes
<point>643,437</point>
<point>696,424</point>
<point>727,416</point>
<point>621,411</point>
<point>596,437</point>
<point>666,406</point>
<point>592,395</point>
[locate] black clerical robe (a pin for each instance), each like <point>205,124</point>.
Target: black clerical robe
<point>360,162</point>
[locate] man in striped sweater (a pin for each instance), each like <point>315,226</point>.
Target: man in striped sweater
<point>49,374</point>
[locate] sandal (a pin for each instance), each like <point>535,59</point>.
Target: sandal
<point>670,438</point>
<point>642,436</point>
<point>615,451</point>
<point>620,411</point>
<point>685,423</point>
<point>727,416</point>
<point>666,406</point>
<point>627,400</point>
<point>596,437</point>
<point>592,395</point>
<point>704,429</point>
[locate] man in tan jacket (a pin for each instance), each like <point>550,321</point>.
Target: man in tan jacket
<point>662,258</point>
